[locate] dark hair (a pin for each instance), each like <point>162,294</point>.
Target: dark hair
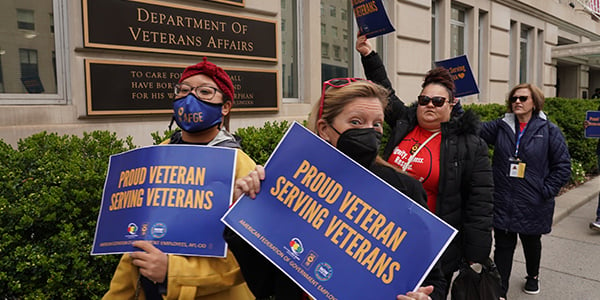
<point>441,76</point>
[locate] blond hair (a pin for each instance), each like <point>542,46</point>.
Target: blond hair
<point>336,98</point>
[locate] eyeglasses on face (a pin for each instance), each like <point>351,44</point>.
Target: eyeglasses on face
<point>514,99</point>
<point>437,101</point>
<point>203,92</point>
<point>336,83</point>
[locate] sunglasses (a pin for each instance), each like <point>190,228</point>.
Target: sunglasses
<point>514,99</point>
<point>336,83</point>
<point>436,100</point>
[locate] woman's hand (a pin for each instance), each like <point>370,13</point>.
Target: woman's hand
<point>422,293</point>
<point>363,46</point>
<point>249,185</point>
<point>152,262</point>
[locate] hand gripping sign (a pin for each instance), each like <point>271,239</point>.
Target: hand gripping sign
<point>334,228</point>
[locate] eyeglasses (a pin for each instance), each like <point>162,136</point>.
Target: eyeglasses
<point>203,92</point>
<point>437,101</point>
<point>336,83</point>
<point>514,99</point>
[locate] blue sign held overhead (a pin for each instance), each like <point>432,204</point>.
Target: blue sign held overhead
<point>593,128</point>
<point>171,195</point>
<point>461,74</point>
<point>334,227</point>
<point>371,18</point>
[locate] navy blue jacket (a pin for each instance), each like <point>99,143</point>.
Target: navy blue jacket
<point>526,205</point>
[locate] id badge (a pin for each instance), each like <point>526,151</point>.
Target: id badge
<point>517,168</point>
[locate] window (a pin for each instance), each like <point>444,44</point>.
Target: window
<point>25,19</point>
<point>324,50</point>
<point>1,79</point>
<point>33,57</point>
<point>433,32</point>
<point>346,54</point>
<point>336,52</point>
<point>457,31</point>
<point>51,23</point>
<point>523,53</point>
<point>483,57</point>
<point>323,29</point>
<point>334,64</point>
<point>29,71</point>
<point>289,48</point>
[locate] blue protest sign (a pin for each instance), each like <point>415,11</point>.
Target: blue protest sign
<point>371,18</point>
<point>461,74</point>
<point>336,229</point>
<point>171,195</point>
<point>593,128</point>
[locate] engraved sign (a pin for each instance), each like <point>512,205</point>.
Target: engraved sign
<point>232,2</point>
<point>152,26</point>
<point>121,88</point>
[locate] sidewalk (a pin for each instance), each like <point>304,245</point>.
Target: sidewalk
<point>570,265</point>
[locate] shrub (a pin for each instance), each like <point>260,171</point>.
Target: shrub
<point>49,200</point>
<point>259,143</point>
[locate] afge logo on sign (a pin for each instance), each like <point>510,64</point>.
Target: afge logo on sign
<point>309,259</point>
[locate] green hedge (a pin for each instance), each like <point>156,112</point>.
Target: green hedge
<point>50,187</point>
<point>49,200</point>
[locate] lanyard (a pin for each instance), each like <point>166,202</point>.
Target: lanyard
<point>519,141</point>
<point>412,157</point>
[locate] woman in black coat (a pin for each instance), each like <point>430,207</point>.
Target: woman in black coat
<point>451,159</point>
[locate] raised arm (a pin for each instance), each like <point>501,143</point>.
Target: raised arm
<point>375,71</point>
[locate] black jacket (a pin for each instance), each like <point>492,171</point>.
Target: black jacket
<point>465,190</point>
<point>413,189</point>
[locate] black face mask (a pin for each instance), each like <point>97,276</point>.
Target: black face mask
<point>360,144</point>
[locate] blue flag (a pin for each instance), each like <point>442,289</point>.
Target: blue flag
<point>371,18</point>
<point>461,74</point>
<point>334,228</point>
<point>172,195</point>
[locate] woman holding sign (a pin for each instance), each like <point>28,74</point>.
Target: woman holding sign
<point>350,116</point>
<point>203,90</point>
<point>531,163</point>
<point>443,151</point>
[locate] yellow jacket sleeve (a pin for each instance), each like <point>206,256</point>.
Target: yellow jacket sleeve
<point>190,277</point>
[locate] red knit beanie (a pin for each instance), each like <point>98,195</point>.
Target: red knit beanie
<point>211,70</point>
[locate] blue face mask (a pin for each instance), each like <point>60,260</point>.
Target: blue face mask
<point>192,114</point>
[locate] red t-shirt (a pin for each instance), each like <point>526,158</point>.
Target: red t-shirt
<point>425,167</point>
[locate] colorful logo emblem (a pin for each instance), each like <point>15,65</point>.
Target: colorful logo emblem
<point>323,271</point>
<point>158,230</point>
<point>144,229</point>
<point>132,228</point>
<point>296,246</point>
